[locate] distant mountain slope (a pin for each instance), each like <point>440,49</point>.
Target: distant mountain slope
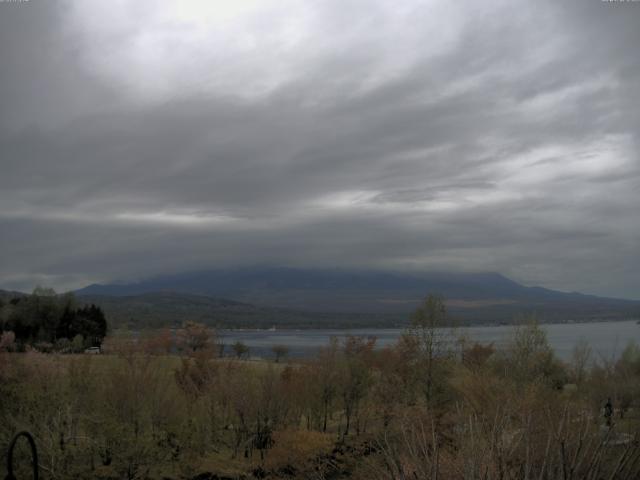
<point>160,309</point>
<point>10,293</point>
<point>272,286</point>
<point>471,296</point>
<point>6,295</point>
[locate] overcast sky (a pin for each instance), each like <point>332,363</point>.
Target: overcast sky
<point>147,137</point>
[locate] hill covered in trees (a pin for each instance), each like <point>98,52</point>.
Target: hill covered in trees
<point>348,298</point>
<point>163,309</point>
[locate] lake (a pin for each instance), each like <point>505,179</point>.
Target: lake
<point>606,339</point>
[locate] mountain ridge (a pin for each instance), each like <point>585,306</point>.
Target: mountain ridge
<point>360,291</point>
<point>261,297</point>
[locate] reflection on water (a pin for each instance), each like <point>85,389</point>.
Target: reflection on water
<point>606,339</point>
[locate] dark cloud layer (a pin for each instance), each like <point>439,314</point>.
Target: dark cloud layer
<point>156,137</point>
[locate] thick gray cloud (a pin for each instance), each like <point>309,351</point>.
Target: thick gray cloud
<point>139,138</point>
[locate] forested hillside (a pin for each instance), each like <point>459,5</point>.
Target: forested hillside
<point>471,297</point>
<point>163,309</point>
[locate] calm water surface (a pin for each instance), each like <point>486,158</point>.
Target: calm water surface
<point>606,339</point>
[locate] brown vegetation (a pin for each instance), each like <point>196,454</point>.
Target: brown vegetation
<point>428,407</point>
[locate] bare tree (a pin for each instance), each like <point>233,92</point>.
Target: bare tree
<point>580,359</point>
<point>195,336</point>
<point>280,351</point>
<point>355,375</point>
<point>432,335</point>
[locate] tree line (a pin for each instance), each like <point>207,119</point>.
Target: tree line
<point>50,322</point>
